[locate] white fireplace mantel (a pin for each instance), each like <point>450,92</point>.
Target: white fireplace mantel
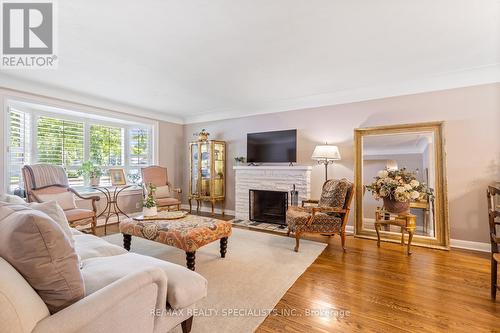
<point>272,167</point>
<point>270,178</point>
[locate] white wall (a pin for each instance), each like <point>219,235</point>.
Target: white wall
<point>472,134</point>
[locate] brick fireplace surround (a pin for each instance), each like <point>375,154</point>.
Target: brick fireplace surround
<point>270,178</point>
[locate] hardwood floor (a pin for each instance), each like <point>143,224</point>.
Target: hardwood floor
<point>386,291</point>
<point>383,290</point>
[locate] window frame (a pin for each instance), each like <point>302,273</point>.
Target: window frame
<point>37,110</point>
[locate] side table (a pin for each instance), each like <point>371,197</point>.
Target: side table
<point>407,222</point>
<point>111,194</point>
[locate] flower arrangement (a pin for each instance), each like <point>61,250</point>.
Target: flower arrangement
<point>149,204</point>
<point>399,185</point>
<point>202,135</point>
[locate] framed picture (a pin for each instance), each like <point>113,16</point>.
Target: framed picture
<point>117,177</point>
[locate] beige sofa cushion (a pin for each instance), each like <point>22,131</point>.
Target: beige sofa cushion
<point>20,306</point>
<point>56,213</point>
<point>38,249</point>
<point>184,287</point>
<point>65,199</point>
<point>89,246</point>
<point>13,199</point>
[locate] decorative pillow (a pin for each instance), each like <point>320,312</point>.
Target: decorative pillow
<point>39,250</point>
<point>65,199</point>
<point>162,191</point>
<point>334,193</point>
<point>55,212</point>
<point>13,199</point>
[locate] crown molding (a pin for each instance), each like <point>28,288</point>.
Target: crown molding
<point>457,79</point>
<point>34,90</point>
<point>450,80</point>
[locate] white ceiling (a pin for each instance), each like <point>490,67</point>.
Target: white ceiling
<point>191,61</point>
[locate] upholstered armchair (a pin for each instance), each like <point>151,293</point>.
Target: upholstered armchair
<point>493,215</point>
<point>46,182</point>
<point>166,195</point>
<point>328,215</point>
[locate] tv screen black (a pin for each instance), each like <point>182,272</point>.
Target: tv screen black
<point>272,147</point>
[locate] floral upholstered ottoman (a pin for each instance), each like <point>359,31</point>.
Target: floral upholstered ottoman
<point>188,233</point>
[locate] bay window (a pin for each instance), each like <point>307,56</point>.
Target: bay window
<point>69,140</point>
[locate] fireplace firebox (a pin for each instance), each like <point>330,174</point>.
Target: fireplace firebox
<point>268,206</point>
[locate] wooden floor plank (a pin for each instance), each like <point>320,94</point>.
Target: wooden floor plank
<point>385,290</point>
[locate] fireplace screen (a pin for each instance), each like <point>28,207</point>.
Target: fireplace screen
<point>268,206</point>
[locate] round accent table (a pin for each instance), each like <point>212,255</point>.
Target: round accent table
<point>111,194</point>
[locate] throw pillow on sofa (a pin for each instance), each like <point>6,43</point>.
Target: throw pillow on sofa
<point>55,212</point>
<point>38,249</point>
<point>13,199</point>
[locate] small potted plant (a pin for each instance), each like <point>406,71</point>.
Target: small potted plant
<point>397,188</point>
<point>203,135</point>
<point>239,160</point>
<point>149,204</point>
<point>91,172</point>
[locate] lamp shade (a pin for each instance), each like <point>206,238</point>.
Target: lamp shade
<point>326,152</point>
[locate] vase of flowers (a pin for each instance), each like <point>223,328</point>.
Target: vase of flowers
<point>397,188</point>
<point>90,172</point>
<point>149,204</point>
<point>203,135</point>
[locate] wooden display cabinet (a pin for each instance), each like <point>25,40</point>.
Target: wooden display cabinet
<point>207,173</point>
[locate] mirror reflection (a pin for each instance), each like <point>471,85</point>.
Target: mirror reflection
<point>399,175</point>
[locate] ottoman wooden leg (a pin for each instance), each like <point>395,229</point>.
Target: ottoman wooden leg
<point>127,239</point>
<point>186,325</point>
<point>190,256</point>
<point>223,247</point>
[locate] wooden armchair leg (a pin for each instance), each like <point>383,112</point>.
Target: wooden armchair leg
<point>186,325</point>
<point>93,225</point>
<point>342,238</point>
<point>494,268</point>
<point>297,241</point>
<point>288,232</point>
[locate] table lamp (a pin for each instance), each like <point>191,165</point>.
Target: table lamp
<point>326,154</point>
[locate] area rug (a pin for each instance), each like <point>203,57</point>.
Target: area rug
<point>243,287</point>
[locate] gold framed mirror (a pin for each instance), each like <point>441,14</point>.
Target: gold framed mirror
<point>388,157</point>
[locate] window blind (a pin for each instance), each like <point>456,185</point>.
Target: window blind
<point>106,145</point>
<point>53,138</point>
<point>19,148</point>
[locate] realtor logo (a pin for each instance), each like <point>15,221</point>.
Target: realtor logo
<point>28,35</point>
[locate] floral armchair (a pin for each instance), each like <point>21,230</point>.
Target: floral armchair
<point>166,195</point>
<point>328,216</point>
<point>46,182</point>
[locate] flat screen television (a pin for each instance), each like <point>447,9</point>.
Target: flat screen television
<point>272,147</point>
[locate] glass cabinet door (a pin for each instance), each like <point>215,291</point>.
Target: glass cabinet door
<point>219,172</point>
<point>194,168</point>
<point>205,169</point>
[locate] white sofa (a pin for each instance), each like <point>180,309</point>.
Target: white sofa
<point>125,292</point>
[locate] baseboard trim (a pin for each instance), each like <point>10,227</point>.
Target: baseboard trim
<point>469,245</point>
<point>209,209</point>
<point>454,243</point>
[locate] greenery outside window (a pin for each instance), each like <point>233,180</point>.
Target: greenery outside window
<point>40,137</point>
